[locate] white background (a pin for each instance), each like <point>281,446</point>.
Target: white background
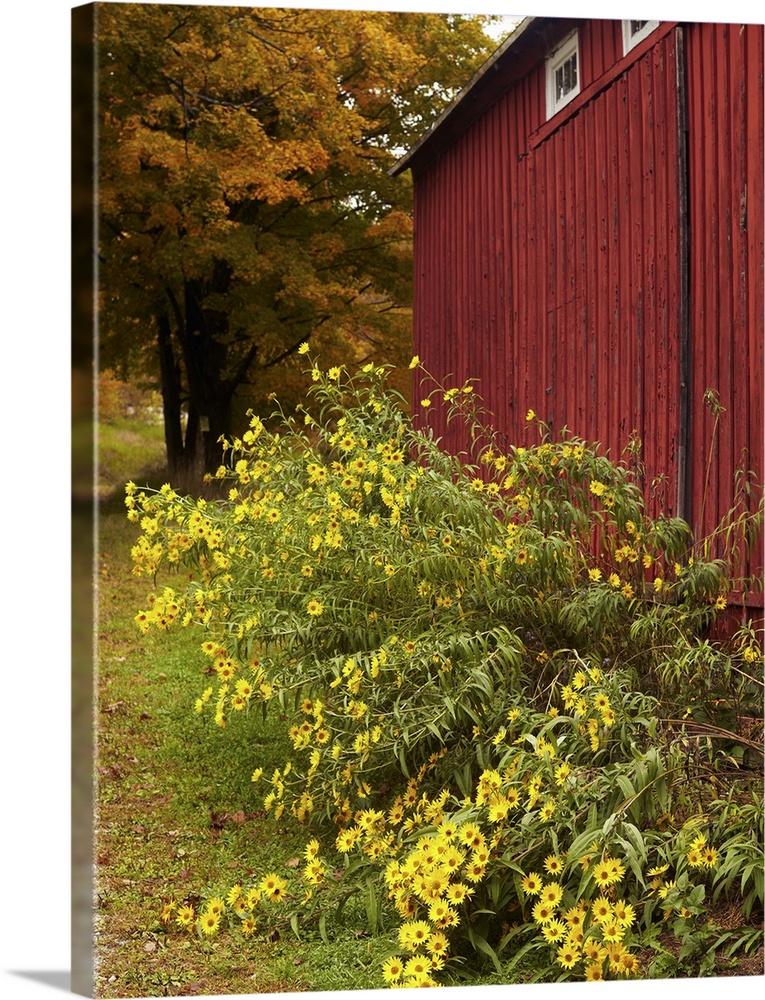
<point>34,487</point>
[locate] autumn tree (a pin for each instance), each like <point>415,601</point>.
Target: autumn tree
<point>244,198</point>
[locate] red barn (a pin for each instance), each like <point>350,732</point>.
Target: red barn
<point>588,219</point>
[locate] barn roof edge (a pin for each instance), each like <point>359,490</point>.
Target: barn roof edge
<point>404,162</point>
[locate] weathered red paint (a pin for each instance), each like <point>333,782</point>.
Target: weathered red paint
<point>550,256</point>
<point>725,104</point>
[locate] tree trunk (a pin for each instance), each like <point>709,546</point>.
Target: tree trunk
<point>205,354</point>
<point>202,335</point>
<point>171,397</point>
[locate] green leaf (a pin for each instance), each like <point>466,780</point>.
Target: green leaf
<point>534,945</point>
<point>371,906</point>
<point>481,944</point>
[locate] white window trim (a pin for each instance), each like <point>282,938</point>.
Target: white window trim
<point>568,47</point>
<point>629,41</point>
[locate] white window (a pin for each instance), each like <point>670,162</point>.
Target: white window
<point>563,74</point>
<point>635,31</point>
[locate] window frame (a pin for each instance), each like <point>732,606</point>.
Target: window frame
<point>568,47</point>
<point>630,40</point>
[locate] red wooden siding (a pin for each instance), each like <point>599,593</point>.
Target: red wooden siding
<point>547,258</point>
<point>726,143</point>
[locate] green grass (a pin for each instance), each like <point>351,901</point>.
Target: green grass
<point>177,814</point>
<point>167,781</point>
<point>124,446</point>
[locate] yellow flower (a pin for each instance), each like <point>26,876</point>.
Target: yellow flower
<point>437,943</point>
<point>594,951</point>
<point>568,956</point>
<point>414,934</point>
<point>314,607</point>
<point>628,963</point>
<point>612,930</point>
<point>392,969</point>
<point>253,897</point>
<point>311,850</point>
<point>543,912</point>
<point>575,916</point>
<point>561,773</point>
<point>547,810</point>
<point>608,717</point>
<point>554,931</point>
<point>314,872</point>
<point>710,857</point>
<point>512,797</point>
<point>498,810</point>
<point>414,362</point>
<point>273,886</point>
<point>425,403</point>
<point>694,858</point>
<point>209,923</point>
<point>552,893</point>
<point>623,912</point>
<point>457,892</point>
<point>607,872</point>
<point>439,912</point>
<point>530,415</point>
<point>600,910</point>
<point>475,871</point>
<point>418,965</point>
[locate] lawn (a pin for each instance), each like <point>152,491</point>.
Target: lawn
<point>174,822</point>
<point>177,813</point>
